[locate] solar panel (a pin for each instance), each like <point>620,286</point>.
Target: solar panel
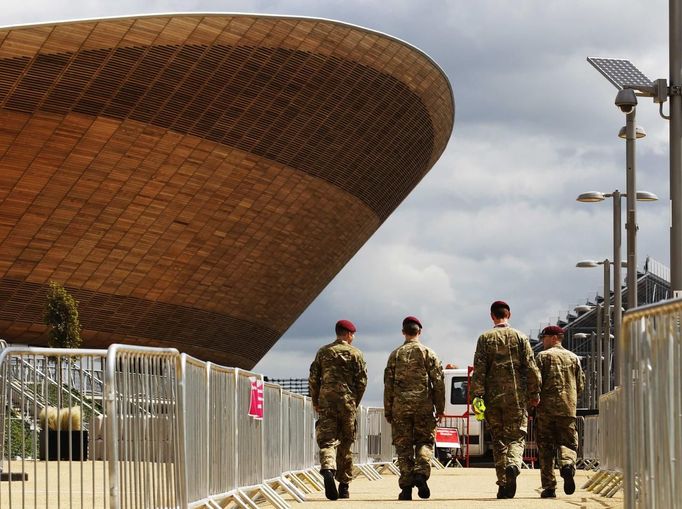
<point>620,73</point>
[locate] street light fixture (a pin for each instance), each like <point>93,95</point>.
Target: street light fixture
<point>630,83</point>
<point>639,132</point>
<point>596,196</point>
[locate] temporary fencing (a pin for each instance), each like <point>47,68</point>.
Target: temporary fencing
<point>160,429</point>
<point>610,447</point>
<point>589,456</point>
<point>652,406</point>
<point>461,423</point>
<point>63,389</point>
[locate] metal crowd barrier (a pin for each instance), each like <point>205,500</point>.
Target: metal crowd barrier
<point>610,447</point>
<point>590,455</point>
<point>52,465</point>
<point>651,367</point>
<point>159,429</point>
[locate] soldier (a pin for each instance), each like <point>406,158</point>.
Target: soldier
<point>337,381</point>
<point>507,379</point>
<point>413,391</point>
<point>562,381</point>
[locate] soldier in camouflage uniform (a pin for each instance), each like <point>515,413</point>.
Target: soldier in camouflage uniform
<point>506,378</point>
<point>562,381</point>
<point>337,381</point>
<point>414,398</point>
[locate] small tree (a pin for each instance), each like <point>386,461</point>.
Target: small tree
<point>61,315</point>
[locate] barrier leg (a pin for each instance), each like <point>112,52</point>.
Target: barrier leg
<point>274,497</point>
<point>291,489</point>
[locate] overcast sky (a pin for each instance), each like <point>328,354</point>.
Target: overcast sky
<point>496,217</point>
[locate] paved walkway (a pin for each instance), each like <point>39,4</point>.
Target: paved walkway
<point>466,488</point>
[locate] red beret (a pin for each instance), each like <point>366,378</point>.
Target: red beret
<point>499,304</point>
<point>346,324</point>
<point>412,319</point>
<point>552,330</point>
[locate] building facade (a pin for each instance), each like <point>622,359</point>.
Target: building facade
<point>195,180</point>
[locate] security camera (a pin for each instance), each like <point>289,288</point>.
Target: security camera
<point>626,100</point>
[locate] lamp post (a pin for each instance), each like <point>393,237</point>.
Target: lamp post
<point>605,328</point>
<point>581,336</point>
<point>596,196</point>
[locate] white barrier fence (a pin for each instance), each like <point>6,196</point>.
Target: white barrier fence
<point>159,429</point>
<point>652,407</point>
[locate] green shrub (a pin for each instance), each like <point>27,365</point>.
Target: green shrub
<point>61,315</point>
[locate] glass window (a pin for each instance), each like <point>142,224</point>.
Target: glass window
<point>458,391</point>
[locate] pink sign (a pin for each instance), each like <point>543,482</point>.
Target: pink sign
<point>256,407</point>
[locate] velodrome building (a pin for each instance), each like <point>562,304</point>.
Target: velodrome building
<point>196,180</point>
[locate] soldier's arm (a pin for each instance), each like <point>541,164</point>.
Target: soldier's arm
<point>480,370</point>
<point>437,383</point>
<point>314,381</point>
<point>579,378</point>
<point>389,376</point>
<point>361,376</point>
<point>534,380</point>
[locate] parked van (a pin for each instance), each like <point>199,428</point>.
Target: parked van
<point>459,413</point>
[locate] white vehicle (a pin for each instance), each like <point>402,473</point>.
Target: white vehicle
<point>459,414</point>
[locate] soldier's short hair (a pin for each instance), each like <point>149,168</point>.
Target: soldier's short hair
<point>411,328</point>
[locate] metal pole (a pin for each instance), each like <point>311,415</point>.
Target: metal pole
<point>617,283</point>
<point>598,384</point>
<point>675,42</point>
<point>592,364</point>
<point>631,224</point>
<point>606,381</point>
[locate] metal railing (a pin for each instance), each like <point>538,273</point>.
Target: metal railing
<point>55,455</point>
<point>652,407</point>
<point>160,429</point>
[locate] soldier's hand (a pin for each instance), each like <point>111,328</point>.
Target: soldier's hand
<point>317,408</point>
<point>439,417</point>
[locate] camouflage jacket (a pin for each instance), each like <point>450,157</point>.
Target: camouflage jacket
<point>413,381</point>
<point>338,375</point>
<point>562,381</point>
<point>504,369</point>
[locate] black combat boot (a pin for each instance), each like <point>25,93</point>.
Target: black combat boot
<point>567,472</point>
<point>548,493</point>
<point>511,473</point>
<point>501,492</point>
<point>405,494</point>
<point>422,488</point>
<point>343,490</point>
<point>329,484</point>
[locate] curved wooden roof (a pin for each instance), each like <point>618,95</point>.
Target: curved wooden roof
<point>195,180</point>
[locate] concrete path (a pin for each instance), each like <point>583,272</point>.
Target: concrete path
<point>465,488</point>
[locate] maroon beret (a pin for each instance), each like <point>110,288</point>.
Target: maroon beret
<point>552,330</point>
<point>412,319</point>
<point>346,324</point>
<point>499,304</point>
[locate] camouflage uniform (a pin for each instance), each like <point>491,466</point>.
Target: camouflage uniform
<point>506,377</point>
<point>337,381</point>
<point>562,381</point>
<point>413,390</point>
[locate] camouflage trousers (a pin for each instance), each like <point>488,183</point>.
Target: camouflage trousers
<point>413,438</point>
<point>335,433</point>
<point>556,433</point>
<point>508,426</point>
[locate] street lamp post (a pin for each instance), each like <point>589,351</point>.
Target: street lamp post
<point>604,381</point>
<point>593,197</point>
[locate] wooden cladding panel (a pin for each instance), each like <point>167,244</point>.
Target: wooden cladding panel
<point>209,227</point>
